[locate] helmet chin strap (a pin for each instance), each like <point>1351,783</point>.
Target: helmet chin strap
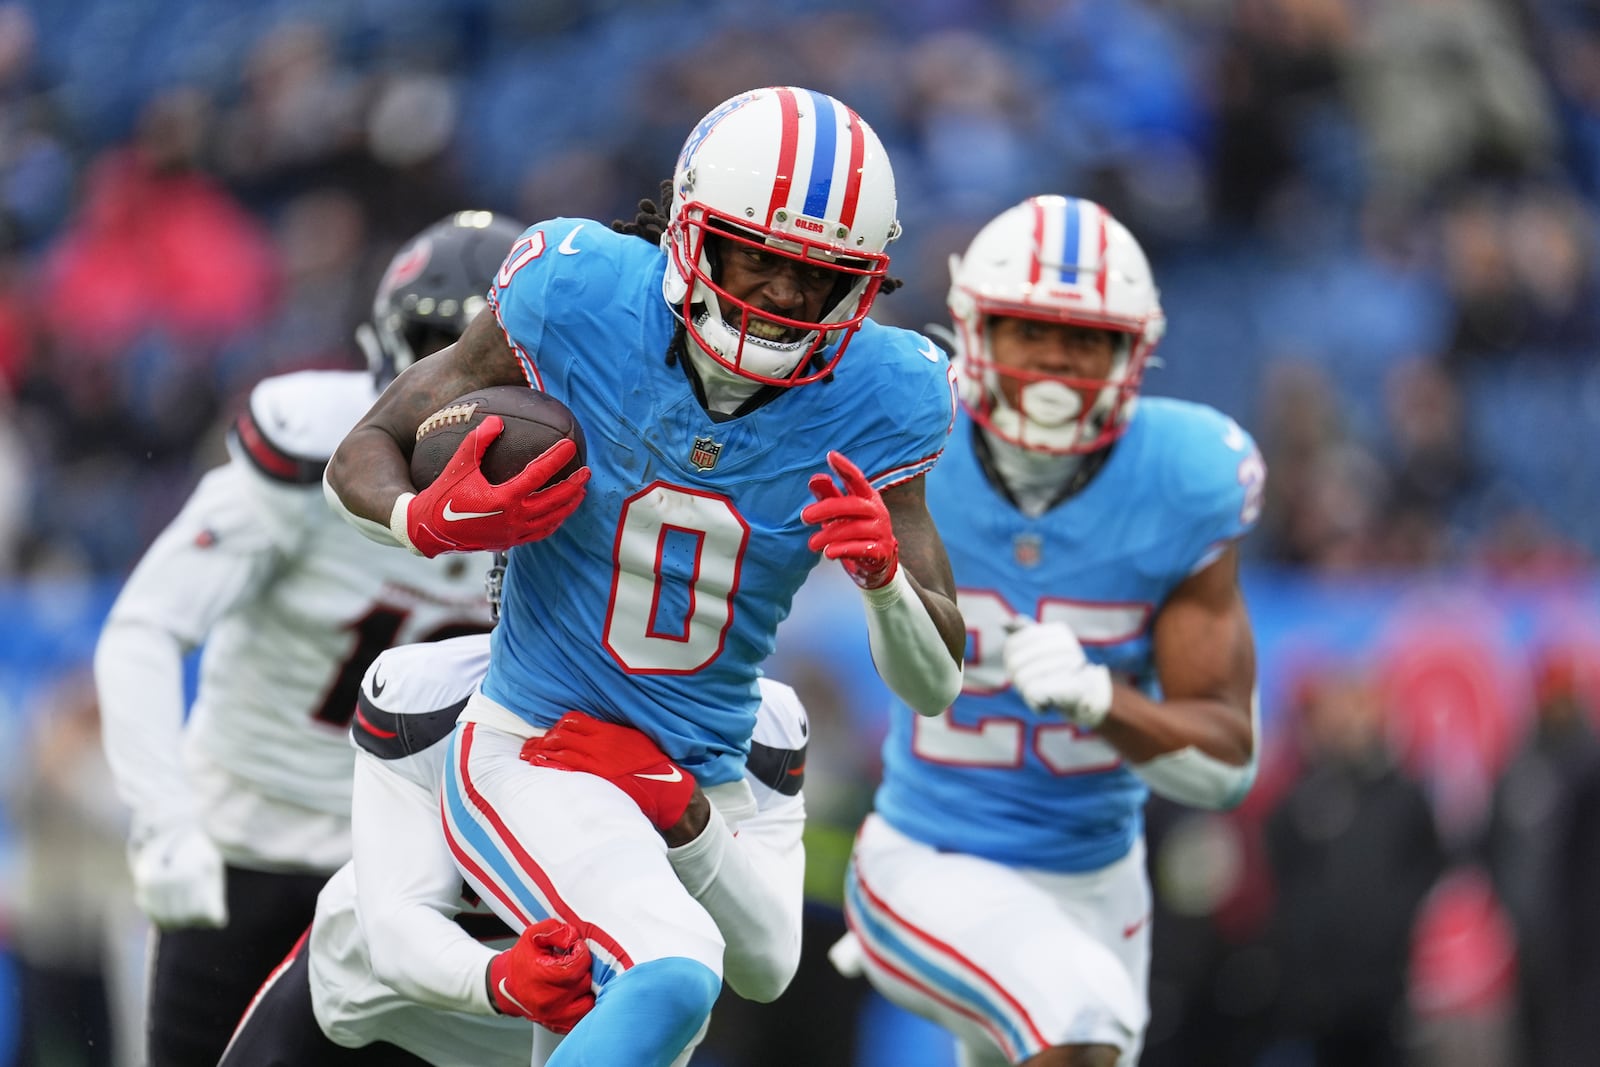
<point>725,391</point>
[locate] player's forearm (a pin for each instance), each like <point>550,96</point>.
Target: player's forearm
<point>1196,752</point>
<point>427,958</point>
<point>1141,728</point>
<point>917,655</point>
<point>754,898</point>
<point>365,477</point>
<point>408,896</point>
<point>138,669</point>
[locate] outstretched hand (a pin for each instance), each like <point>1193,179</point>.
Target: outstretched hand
<point>462,511</point>
<point>855,526</point>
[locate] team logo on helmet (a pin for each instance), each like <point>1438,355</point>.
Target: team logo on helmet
<point>704,127</point>
<point>407,266</point>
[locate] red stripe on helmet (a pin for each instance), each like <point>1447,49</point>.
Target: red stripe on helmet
<point>858,153</point>
<point>787,149</point>
<point>1100,271</point>
<point>1038,240</point>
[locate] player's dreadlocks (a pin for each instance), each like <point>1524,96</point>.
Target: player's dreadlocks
<point>649,223</point>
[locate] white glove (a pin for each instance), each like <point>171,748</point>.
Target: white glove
<point>178,879</point>
<point>847,956</point>
<point>1050,672</point>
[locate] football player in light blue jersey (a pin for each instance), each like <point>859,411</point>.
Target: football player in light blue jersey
<point>744,418</point>
<point>999,887</point>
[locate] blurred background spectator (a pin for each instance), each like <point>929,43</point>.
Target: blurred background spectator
<point>76,936</point>
<point>1374,224</point>
<point>1351,851</point>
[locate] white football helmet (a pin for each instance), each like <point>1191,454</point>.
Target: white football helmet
<point>796,173</point>
<point>1059,260</point>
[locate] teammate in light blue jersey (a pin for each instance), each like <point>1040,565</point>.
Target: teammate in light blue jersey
<point>999,887</point>
<point>721,368</point>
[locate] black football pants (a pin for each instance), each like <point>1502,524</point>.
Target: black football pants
<point>202,979</point>
<point>282,1031</point>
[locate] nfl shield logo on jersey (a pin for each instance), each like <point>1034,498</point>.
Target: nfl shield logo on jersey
<point>703,453</point>
<point>1027,549</point>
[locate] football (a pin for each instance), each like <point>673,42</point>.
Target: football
<point>534,421</point>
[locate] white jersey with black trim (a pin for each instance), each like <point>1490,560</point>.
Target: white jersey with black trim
<point>291,604</point>
<point>399,948</point>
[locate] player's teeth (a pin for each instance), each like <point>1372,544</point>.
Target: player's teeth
<point>767,331</point>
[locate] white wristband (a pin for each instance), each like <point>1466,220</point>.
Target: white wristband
<point>398,521</point>
<point>697,862</point>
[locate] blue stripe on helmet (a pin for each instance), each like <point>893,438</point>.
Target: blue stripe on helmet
<point>821,183</point>
<point>1069,240</point>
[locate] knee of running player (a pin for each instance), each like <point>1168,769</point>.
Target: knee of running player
<point>664,1001</point>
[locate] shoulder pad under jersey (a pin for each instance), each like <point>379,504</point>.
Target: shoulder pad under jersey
<point>887,369</point>
<point>1212,474</point>
<point>293,422</point>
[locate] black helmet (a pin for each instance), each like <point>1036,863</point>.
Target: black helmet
<point>433,287</point>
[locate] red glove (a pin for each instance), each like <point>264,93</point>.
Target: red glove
<point>856,529</point>
<point>462,511</point>
<point>544,977</point>
<point>623,756</point>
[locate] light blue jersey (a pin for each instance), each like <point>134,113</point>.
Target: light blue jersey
<point>990,777</point>
<point>657,601</point>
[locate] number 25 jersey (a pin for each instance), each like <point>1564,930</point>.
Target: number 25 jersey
<point>990,777</point>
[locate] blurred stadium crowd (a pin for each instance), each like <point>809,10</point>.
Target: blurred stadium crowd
<point>1374,227</point>
<point>1373,220</point>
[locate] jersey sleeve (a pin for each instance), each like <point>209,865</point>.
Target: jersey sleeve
<point>293,422</point>
<point>222,547</point>
<point>543,265</point>
<point>213,556</point>
<point>1217,480</point>
<point>409,896</point>
<point>917,393</point>
<point>776,765</point>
